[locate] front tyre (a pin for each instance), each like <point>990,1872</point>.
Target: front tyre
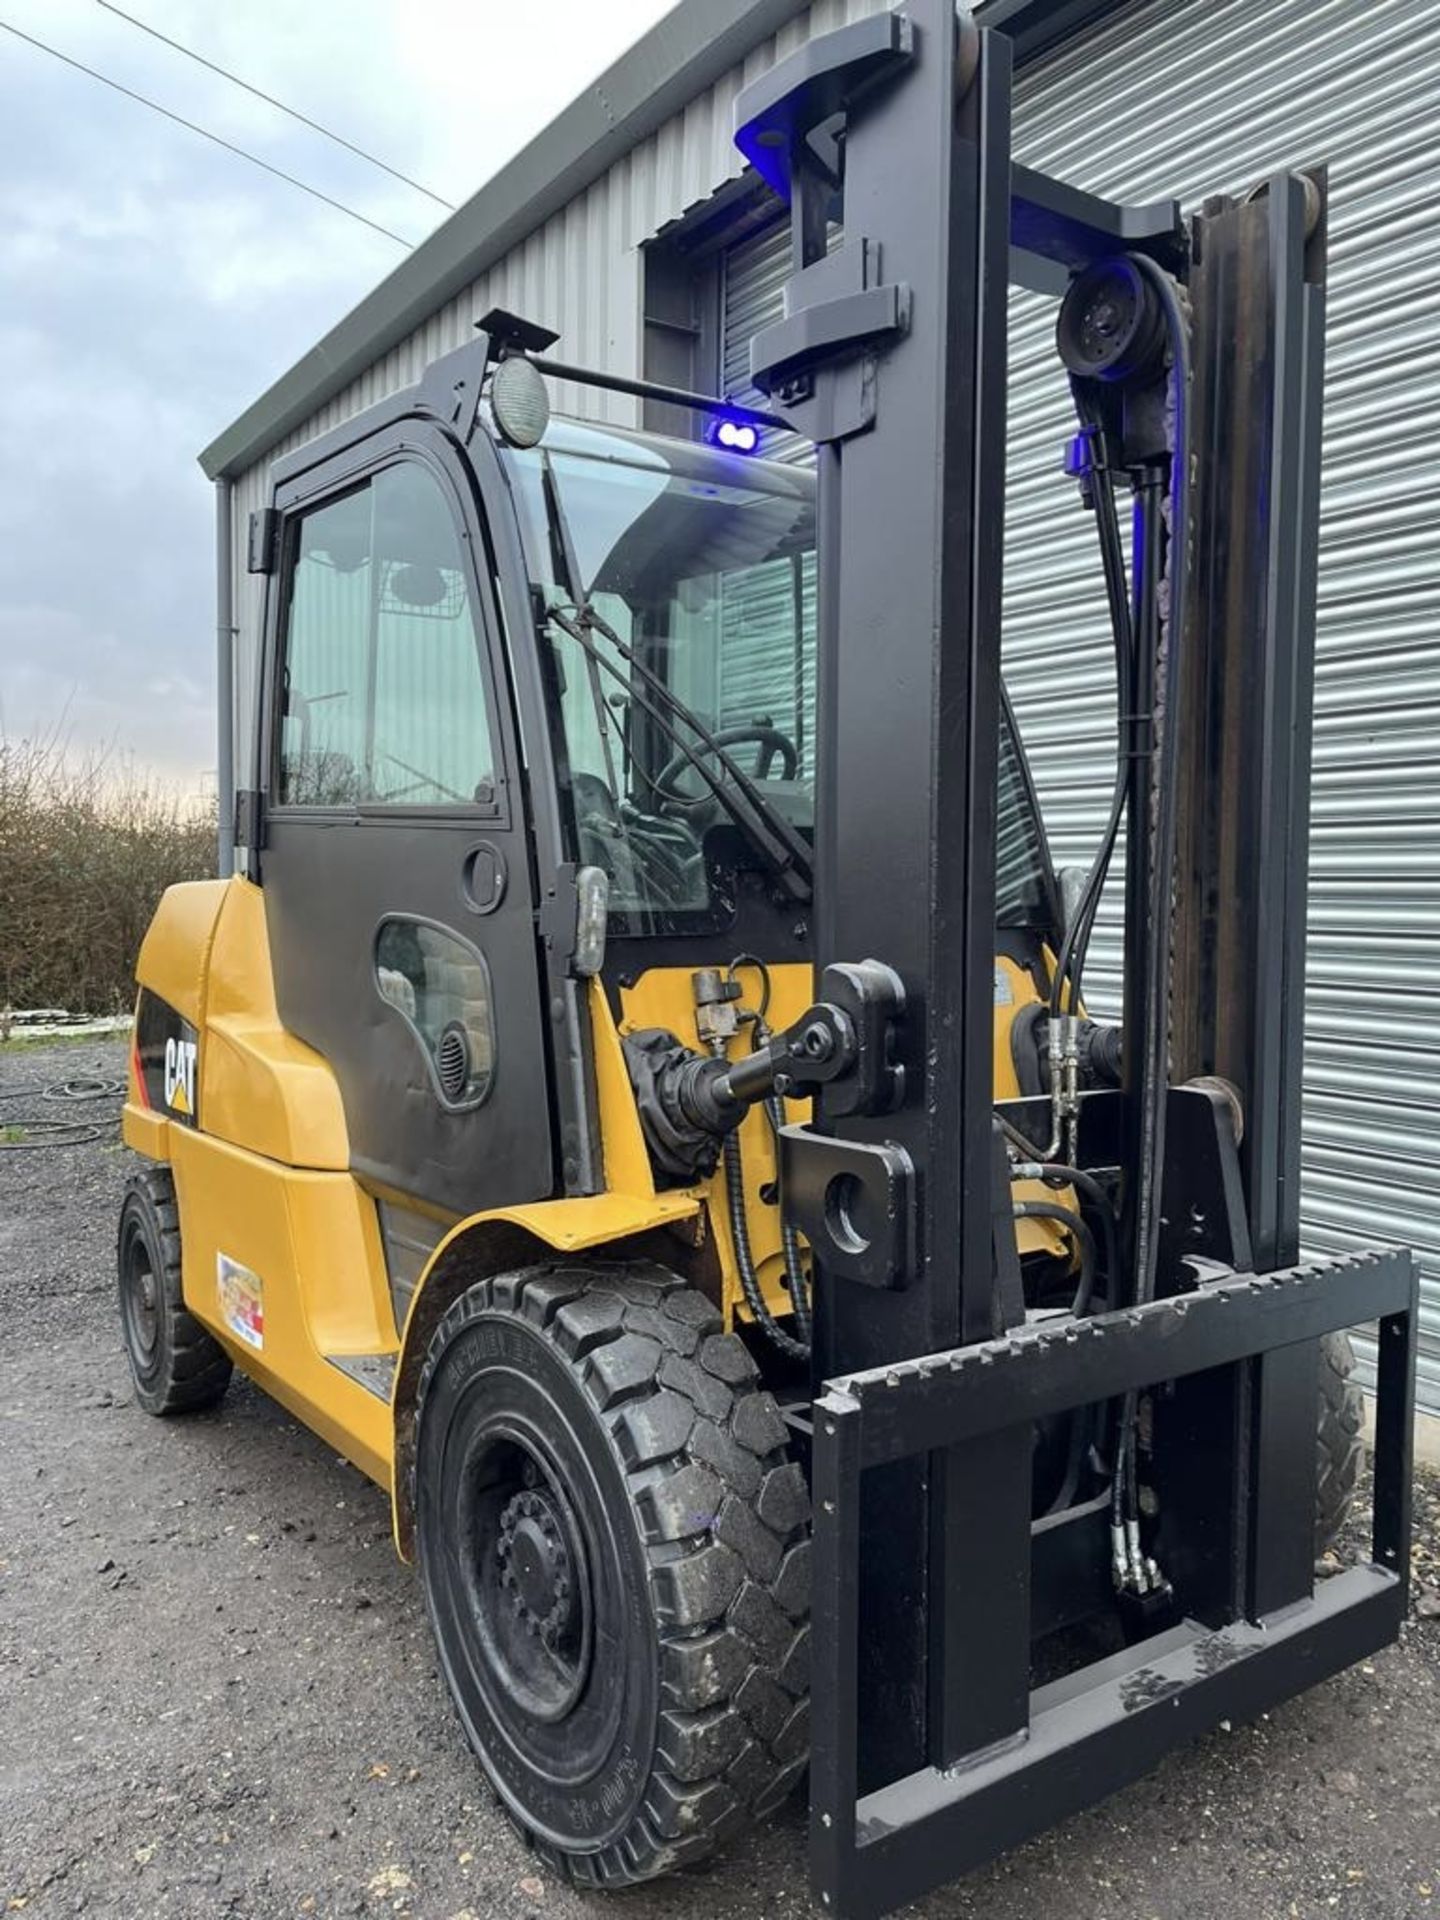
<point>615,1552</point>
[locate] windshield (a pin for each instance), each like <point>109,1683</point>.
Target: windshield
<point>699,569</point>
<point>699,667</point>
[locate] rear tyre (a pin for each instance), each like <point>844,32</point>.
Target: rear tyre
<point>1338,1436</point>
<point>615,1553</point>
<point>177,1367</point>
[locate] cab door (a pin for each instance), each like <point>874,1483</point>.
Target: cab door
<point>396,870</point>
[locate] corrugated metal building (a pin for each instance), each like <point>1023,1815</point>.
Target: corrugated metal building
<point>630,227</point>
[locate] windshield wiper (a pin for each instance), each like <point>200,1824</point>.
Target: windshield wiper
<point>784,849</point>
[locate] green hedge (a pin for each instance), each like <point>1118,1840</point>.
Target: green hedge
<point>85,853</point>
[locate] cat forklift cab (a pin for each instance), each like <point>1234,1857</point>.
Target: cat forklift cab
<point>637,1099</point>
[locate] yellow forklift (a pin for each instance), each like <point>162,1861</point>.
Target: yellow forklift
<point>636,1099</point>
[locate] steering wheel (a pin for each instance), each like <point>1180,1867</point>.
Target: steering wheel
<point>768,739</point>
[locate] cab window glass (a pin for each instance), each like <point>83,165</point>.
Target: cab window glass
<point>383,691</point>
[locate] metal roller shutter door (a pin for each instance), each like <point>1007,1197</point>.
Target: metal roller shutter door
<point>1191,97</point>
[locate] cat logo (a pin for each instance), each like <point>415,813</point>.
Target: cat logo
<point>180,1076</point>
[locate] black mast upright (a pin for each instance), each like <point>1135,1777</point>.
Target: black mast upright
<point>891,357</point>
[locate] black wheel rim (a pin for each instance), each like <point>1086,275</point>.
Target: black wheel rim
<point>140,1298</point>
<point>526,1573</point>
<point>552,1670</point>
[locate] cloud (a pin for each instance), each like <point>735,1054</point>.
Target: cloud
<point>152,285</point>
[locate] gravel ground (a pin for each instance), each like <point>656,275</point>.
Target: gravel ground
<point>217,1694</point>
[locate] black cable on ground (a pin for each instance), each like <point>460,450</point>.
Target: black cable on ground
<point>65,1090</point>
<point>37,1133</point>
<point>85,1090</point>
<point>75,1134</point>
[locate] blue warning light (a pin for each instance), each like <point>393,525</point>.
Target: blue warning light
<point>737,436</point>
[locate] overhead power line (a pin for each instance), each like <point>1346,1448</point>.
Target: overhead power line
<point>270,101</point>
<point>205,134</point>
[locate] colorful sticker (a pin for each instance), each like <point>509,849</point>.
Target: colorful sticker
<point>242,1300</point>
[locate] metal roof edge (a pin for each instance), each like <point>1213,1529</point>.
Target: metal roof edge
<point>682,54</point>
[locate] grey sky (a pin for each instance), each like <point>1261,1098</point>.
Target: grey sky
<point>152,285</point>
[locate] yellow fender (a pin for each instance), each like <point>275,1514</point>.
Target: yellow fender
<point>636,1226</point>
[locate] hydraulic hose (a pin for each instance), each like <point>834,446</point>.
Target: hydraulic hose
<point>1148,1051</point>
<point>1078,1231</point>
<point>790,1240</point>
<point>795,1284</point>
<point>796,1346</point>
<point>1070,964</point>
<point>1076,944</point>
<point>784,1342</point>
<point>1149,637</point>
<point>1081,1422</point>
<point>1060,1174</point>
<point>1152,1042</point>
<point>1124,1489</point>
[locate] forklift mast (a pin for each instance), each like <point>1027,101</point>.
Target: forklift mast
<point>1195,350</point>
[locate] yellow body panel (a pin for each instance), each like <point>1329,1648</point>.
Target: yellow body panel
<point>207,954</point>
<point>572,1226</point>
<point>145,1132</point>
<point>259,1086</point>
<point>665,997</point>
<point>175,953</point>
<point>1015,988</point>
<point>313,1243</point>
